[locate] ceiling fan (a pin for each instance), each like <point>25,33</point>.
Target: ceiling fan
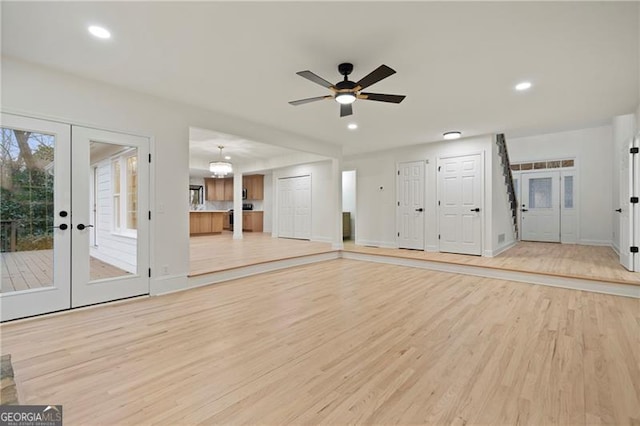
<point>346,92</point>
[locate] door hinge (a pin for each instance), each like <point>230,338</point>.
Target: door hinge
<point>634,150</point>
<point>149,157</point>
<point>438,236</point>
<point>398,203</point>
<point>149,272</point>
<point>438,202</point>
<point>634,249</point>
<point>149,214</point>
<point>439,168</point>
<point>398,234</point>
<point>634,200</point>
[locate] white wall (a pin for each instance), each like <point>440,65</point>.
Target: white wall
<point>502,221</point>
<point>322,189</point>
<point>44,93</point>
<point>593,150</point>
<point>349,197</point>
<point>376,190</point>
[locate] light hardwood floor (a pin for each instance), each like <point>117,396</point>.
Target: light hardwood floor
<point>212,253</point>
<point>23,270</point>
<point>564,260</point>
<point>340,342</point>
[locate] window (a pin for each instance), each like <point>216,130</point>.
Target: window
<point>124,178</point>
<point>568,192</point>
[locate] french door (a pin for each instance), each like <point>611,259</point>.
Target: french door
<point>410,210</point>
<point>294,207</point>
<point>541,206</point>
<point>75,226</point>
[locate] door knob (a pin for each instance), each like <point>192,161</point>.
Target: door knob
<point>619,210</point>
<point>80,226</point>
<point>63,213</point>
<point>420,209</point>
<point>62,226</point>
<point>477,210</point>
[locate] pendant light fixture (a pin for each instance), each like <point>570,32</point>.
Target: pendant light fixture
<point>220,168</point>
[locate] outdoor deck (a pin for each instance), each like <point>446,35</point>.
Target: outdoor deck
<point>23,270</point>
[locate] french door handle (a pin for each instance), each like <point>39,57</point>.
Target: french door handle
<point>81,227</point>
<point>477,210</point>
<point>62,226</point>
<point>420,209</point>
<point>619,210</point>
<point>525,210</point>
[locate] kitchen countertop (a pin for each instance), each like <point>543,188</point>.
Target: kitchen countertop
<point>208,211</point>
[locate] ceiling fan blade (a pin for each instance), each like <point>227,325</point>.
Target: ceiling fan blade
<point>315,78</point>
<point>346,109</point>
<point>306,101</point>
<point>375,76</point>
<point>394,99</point>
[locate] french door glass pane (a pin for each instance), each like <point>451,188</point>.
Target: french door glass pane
<point>540,193</point>
<point>26,209</point>
<point>568,192</point>
<point>114,247</point>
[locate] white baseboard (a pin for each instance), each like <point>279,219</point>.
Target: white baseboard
<point>502,249</point>
<point>615,248</point>
<point>167,284</point>
<point>383,244</point>
<point>594,242</point>
<point>317,239</point>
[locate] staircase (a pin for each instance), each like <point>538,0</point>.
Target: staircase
<point>508,179</point>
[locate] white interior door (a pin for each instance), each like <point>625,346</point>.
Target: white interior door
<point>628,171</point>
<point>36,205</point>
<point>541,206</point>
<point>410,209</point>
<point>460,183</point>
<point>286,208</point>
<point>115,264</point>
<point>302,209</point>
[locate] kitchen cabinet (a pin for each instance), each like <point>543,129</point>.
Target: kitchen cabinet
<point>205,222</point>
<point>252,221</point>
<point>228,189</point>
<point>215,189</point>
<point>254,185</point>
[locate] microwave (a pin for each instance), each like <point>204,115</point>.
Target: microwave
<point>244,193</point>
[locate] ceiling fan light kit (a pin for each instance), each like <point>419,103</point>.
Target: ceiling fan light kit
<point>346,92</point>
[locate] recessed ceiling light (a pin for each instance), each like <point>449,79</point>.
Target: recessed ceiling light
<point>452,135</point>
<point>99,32</point>
<point>352,126</point>
<point>525,85</point>
<point>226,157</point>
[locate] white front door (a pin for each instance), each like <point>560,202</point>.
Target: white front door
<point>410,209</point>
<point>115,265</point>
<point>294,207</point>
<point>49,261</point>
<point>460,183</point>
<point>540,203</point>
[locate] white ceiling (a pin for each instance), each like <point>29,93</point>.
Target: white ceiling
<point>457,62</point>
